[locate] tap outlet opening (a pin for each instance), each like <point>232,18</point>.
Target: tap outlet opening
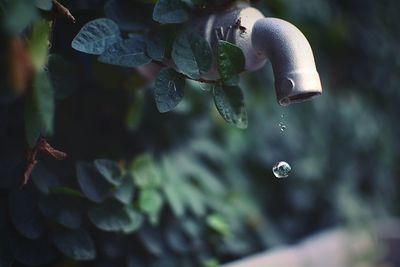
<point>298,87</point>
<point>298,98</point>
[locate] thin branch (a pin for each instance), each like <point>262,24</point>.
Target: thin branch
<point>62,11</point>
<point>50,151</point>
<point>43,147</point>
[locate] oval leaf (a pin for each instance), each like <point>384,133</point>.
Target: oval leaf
<point>170,11</point>
<point>126,53</point>
<point>110,170</point>
<point>231,62</point>
<point>96,36</point>
<point>93,185</point>
<point>76,244</point>
<point>150,202</point>
<point>168,89</point>
<point>39,109</point>
<point>63,209</point>
<point>144,172</point>
<point>217,223</point>
<point>150,237</point>
<point>229,101</point>
<point>124,192</point>
<point>192,54</point>
<point>113,216</point>
<point>38,43</point>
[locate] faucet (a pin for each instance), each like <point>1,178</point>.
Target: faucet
<point>262,39</point>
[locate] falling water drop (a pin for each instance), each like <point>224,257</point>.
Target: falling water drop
<point>281,169</point>
<point>281,124</point>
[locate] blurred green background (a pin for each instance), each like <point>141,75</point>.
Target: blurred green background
<point>343,147</point>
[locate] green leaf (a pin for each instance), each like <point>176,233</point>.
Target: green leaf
<point>177,239</point>
<point>150,202</point>
<point>144,172</point>
<point>211,263</point>
<point>92,183</point>
<point>192,54</point>
<point>202,176</point>
<point>96,36</point>
<point>64,209</point>
<point>39,109</point>
<point>136,220</point>
<point>110,170</point>
<point>194,197</point>
<point>168,89</point>
<point>63,76</point>
<point>18,15</point>
<point>38,44</point>
<point>77,244</point>
<point>44,4</point>
<point>150,237</point>
<point>170,11</point>
<point>65,191</point>
<point>229,101</point>
<point>113,216</point>
<point>201,86</point>
<point>24,213</point>
<point>231,62</point>
<point>217,223</point>
<point>126,53</point>
<point>172,192</point>
<point>124,192</point>
<point>173,198</point>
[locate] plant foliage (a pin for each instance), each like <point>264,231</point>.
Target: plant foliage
<point>182,189</point>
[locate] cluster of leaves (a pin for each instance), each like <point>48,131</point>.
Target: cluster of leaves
<point>53,215</point>
<point>196,206</point>
<point>180,54</point>
<point>110,204</point>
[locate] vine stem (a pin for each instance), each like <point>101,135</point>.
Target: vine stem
<point>41,147</point>
<point>63,11</point>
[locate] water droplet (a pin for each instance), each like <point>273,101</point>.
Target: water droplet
<point>284,102</point>
<point>283,128</point>
<point>281,169</point>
